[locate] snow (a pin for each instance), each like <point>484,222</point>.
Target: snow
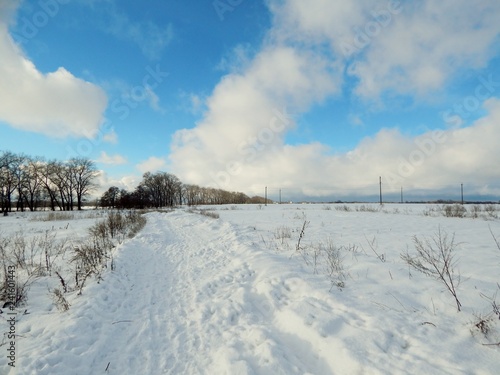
<point>192,294</point>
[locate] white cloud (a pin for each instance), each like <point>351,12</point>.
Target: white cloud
<point>128,182</point>
<point>196,103</point>
<point>7,9</point>
<point>240,142</point>
<point>356,120</point>
<point>426,45</point>
<point>110,137</point>
<point>152,164</point>
<point>56,104</point>
<point>245,111</point>
<point>433,161</point>
<point>439,158</point>
<point>111,159</point>
<point>406,47</point>
<point>154,100</point>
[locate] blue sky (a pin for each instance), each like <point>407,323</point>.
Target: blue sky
<point>318,98</point>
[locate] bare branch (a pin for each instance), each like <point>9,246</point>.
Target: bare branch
<point>494,238</point>
<point>436,259</point>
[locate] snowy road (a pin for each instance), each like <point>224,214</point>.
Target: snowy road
<point>194,295</point>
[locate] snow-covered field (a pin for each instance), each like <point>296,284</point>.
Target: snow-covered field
<point>255,292</point>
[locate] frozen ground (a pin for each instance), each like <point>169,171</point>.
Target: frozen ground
<point>191,294</point>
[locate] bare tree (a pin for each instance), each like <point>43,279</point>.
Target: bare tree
<point>3,182</point>
<point>110,197</point>
<point>8,178</point>
<point>19,177</point>
<point>164,189</point>
<point>32,181</point>
<point>61,177</point>
<point>191,194</point>
<point>48,178</point>
<point>83,174</point>
<point>3,177</point>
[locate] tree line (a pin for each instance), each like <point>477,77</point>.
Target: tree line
<point>162,189</point>
<point>31,183</point>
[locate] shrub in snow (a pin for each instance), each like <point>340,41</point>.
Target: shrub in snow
<point>491,210</point>
<point>454,210</point>
<point>59,300</point>
<point>435,257</point>
<point>91,255</point>
<point>334,263</point>
<point>204,212</point>
<point>282,233</point>
<point>22,260</point>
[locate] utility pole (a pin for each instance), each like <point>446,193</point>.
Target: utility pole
<point>462,190</point>
<point>280,196</point>
<point>401,194</point>
<point>380,183</point>
<point>265,202</point>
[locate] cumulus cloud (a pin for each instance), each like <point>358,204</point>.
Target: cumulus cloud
<point>153,164</point>
<point>104,158</point>
<point>427,44</point>
<point>56,104</point>
<point>240,143</point>
<point>245,112</point>
<point>110,137</point>
<point>432,161</point>
<point>7,9</point>
<point>405,47</point>
<point>105,181</point>
<point>439,158</point>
